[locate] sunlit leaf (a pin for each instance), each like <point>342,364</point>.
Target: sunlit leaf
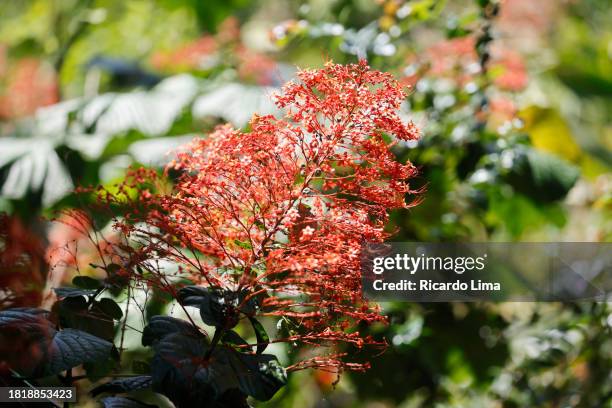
<point>235,103</point>
<point>260,332</point>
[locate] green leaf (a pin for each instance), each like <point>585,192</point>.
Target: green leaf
<point>194,295</point>
<point>179,374</point>
<point>75,314</point>
<point>86,282</point>
<point>70,348</point>
<point>72,292</point>
<point>123,402</point>
<point>541,176</point>
<point>161,326</point>
<point>552,176</point>
<point>259,375</point>
<point>218,307</point>
<point>33,164</point>
<point>73,304</point>
<point>33,347</point>
<point>234,102</point>
<point>262,337</point>
<point>122,385</point>
<point>232,338</point>
<point>110,308</point>
<point>180,371</point>
<point>243,244</point>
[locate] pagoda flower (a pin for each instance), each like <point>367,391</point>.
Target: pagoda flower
<point>270,222</point>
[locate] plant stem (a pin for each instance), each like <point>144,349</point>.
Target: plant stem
<point>216,337</point>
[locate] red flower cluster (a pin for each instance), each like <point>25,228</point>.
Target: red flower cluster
<point>281,211</point>
<point>22,264</point>
<point>26,85</point>
<point>225,47</point>
<point>456,59</point>
<point>188,56</point>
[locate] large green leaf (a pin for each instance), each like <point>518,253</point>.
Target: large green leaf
<point>541,175</point>
<point>258,375</point>
<point>110,308</point>
<point>235,103</point>
<point>95,129</point>
<point>179,372</point>
<point>70,348</point>
<point>86,282</point>
<point>190,374</point>
<point>161,326</point>
<point>30,160</point>
<point>33,165</point>
<point>33,347</point>
<point>152,113</point>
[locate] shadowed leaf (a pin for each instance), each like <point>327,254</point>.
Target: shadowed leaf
<point>122,402</point>
<point>123,385</point>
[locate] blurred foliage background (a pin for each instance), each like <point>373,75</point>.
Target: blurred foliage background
<point>514,99</point>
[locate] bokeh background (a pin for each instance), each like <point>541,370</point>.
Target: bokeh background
<point>514,99</point>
